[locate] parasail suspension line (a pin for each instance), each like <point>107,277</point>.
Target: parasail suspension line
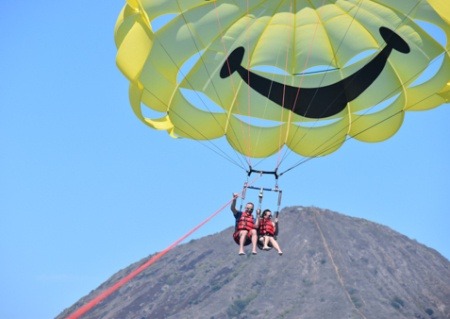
<point>261,189</point>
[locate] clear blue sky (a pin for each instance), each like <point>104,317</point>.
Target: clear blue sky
<point>86,189</point>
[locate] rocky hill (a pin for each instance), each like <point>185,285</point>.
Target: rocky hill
<point>333,266</point>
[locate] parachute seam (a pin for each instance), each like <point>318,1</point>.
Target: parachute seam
<point>280,143</point>
<point>248,80</point>
<point>288,124</point>
<point>288,152</point>
<point>187,80</point>
<point>229,112</point>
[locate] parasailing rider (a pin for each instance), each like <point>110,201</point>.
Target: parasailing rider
<point>267,231</point>
<point>245,229</point>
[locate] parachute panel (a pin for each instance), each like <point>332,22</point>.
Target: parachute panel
<point>191,122</point>
<point>255,141</point>
<point>315,140</point>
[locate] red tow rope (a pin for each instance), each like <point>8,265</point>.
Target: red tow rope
<point>106,293</point>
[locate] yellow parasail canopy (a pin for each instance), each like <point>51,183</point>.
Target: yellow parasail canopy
<point>272,73</point>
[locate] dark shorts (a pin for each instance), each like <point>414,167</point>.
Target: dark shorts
<point>248,239</point>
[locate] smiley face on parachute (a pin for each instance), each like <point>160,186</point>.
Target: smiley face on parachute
<point>268,74</point>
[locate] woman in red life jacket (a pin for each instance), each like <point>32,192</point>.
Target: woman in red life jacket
<point>245,229</point>
<point>267,230</point>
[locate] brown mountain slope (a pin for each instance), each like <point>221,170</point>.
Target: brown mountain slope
<point>333,266</point>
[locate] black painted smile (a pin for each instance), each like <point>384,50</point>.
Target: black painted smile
<point>320,102</point>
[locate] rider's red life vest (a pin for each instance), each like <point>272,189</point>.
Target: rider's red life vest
<point>245,222</point>
<point>266,227</point>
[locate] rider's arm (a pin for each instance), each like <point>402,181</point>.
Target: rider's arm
<point>233,204</point>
